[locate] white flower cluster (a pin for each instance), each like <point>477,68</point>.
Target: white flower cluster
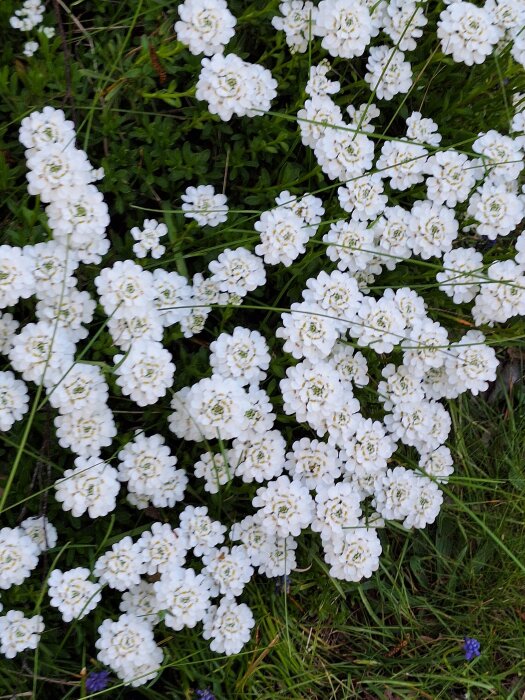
<point>467,32</point>
<point>31,16</point>
<point>340,476</point>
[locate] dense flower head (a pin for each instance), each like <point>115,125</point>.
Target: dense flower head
<point>467,32</point>
<point>205,26</point>
<point>297,20</point>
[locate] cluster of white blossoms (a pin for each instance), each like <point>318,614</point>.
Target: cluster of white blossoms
<point>28,17</point>
<point>345,475</point>
<point>467,32</point>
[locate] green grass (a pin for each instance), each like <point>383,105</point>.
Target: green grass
<point>397,635</point>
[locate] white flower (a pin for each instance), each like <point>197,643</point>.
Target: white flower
<point>307,207</point>
<point>232,86</point>
<point>337,294</point>
<point>369,449</point>
<point>218,405</point>
<point>39,129</point>
<point>351,244</point>
<point>496,210</point>
<point>42,353</point>
<point>202,532</point>
<point>48,31</point>
<point>18,556</point>
<point>353,555</point>
<point>283,234</point>
<point>72,593</point>
<point>14,400</point>
<point>127,646</point>
<point>278,558</point>
<point>410,305</point>
<point>402,22</point>
<point>18,632</point>
<point>122,566</point>
<point>507,14</point>
<point>472,364</point>
<point>202,204</point>
<point>379,325</point>
<point>313,119</point>
<point>69,310</point>
<point>393,236</point>
<point>16,276</point>
<point>310,392</point>
<point>184,596</point>
<point>425,425</point>
<point>148,239</point>
<point>30,48</point>
<point>363,196</point>
<point>91,486</point>
<point>41,531</point>
<point>501,156</point>
<point>345,26</point>
<point>456,279</point>
<point>315,464</point>
<point>363,115</point>
<point>437,385</point>
<point>28,16</point>
<point>141,324</point>
<point>229,569</point>
<point>259,416</point>
<point>243,355</point>
<point>124,288</point>
<point>285,507</point>
<point>437,464</point>
<point>258,456</point>
<point>86,430</point>
<point>297,22</point>
<point>433,228</point>
<point>253,536</point>
<point>388,73</point>
<point>308,331</point>
<point>147,464</point>
<point>520,259</point>
<point>403,162</point>
<point>396,493</point>
<point>163,547</point>
<point>228,626</point>
<point>343,153</point>
<point>426,347</point>
<point>451,177</point>
<point>141,601</point>
<point>502,294</point>
<point>53,265</point>
<point>318,83</point>
<point>236,272</point>
<point>215,470</point>
<point>55,167</point>
<point>205,26</point>
<point>400,387</point>
<point>8,328</point>
<point>350,364</point>
<point>467,33</point>
<point>337,510</point>
<point>340,421</point>
<point>83,386</point>
<point>422,129</point>
<point>426,506</point>
<point>172,298</point>
<point>145,373</point>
